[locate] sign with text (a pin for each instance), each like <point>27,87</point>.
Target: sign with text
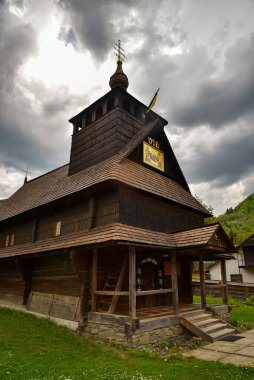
<point>153,156</point>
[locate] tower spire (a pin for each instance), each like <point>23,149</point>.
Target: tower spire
<point>119,78</point>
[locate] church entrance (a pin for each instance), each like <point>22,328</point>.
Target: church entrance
<point>149,277</point>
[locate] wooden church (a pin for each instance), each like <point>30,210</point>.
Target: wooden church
<point>109,239</point>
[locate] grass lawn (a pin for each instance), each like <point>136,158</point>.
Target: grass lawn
<point>241,314</point>
<point>36,349</point>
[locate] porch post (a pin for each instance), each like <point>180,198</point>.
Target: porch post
<point>224,282</point>
<point>94,279</point>
<point>174,283</point>
<point>132,282</point>
<point>202,282</point>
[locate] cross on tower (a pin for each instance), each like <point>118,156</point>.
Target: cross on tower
<point>27,172</point>
<point>120,55</point>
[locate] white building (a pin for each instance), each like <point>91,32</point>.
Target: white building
<point>242,268</point>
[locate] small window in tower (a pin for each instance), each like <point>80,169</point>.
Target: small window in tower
<point>126,105</point>
<point>79,125</point>
<point>88,119</point>
<point>7,240</point>
<point>57,228</point>
<point>99,111</point>
<point>110,104</point>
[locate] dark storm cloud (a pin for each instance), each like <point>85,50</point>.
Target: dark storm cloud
<point>17,43</point>
<point>33,118</point>
<point>223,159</point>
<point>98,23</point>
<point>227,98</point>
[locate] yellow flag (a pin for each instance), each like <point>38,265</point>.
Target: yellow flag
<point>153,101</point>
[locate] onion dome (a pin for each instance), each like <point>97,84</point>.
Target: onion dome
<point>119,78</point>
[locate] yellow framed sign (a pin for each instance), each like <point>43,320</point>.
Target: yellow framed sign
<point>153,156</point>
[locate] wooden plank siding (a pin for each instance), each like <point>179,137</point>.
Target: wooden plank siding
<point>55,274</point>
<point>102,139</point>
<point>145,211</point>
<point>12,285</point>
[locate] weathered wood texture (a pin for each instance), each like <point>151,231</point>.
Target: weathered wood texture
<point>132,282</point>
<point>102,139</point>
<point>237,290</point>
<point>59,306</point>
<point>54,274</point>
<point>141,210</point>
<point>202,282</point>
<point>25,267</point>
<point>81,262</point>
<point>174,283</point>
<point>22,231</point>
<point>12,285</point>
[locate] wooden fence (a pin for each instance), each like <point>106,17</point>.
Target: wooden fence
<point>235,289</point>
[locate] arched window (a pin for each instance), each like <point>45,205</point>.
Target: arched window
<point>110,104</point>
<point>126,105</point>
<point>99,111</point>
<point>88,119</point>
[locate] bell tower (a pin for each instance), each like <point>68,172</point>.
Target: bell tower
<point>104,127</point>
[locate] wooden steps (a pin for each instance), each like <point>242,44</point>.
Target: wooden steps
<point>205,325</point>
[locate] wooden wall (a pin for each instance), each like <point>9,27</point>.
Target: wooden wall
<point>142,210</point>
<point>22,231</point>
<point>79,213</point>
<point>55,274</point>
<point>12,285</point>
<point>102,139</point>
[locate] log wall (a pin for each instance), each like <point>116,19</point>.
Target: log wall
<point>12,285</point>
<point>102,139</point>
<point>141,210</point>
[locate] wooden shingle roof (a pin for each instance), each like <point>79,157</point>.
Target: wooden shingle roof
<point>194,237</point>
<point>115,232</point>
<point>119,233</point>
<point>211,236</point>
<point>57,184</point>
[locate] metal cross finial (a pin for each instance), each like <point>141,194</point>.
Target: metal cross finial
<point>27,172</point>
<point>120,55</point>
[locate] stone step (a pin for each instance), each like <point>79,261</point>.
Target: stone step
<point>221,333</point>
<point>214,327</point>
<point>206,322</point>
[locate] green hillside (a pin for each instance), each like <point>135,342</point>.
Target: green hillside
<point>238,222</point>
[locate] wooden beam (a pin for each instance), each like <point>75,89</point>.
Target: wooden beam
<point>132,281</point>
<point>34,230</point>
<point>156,291</point>
<point>118,286</point>
<point>25,267</point>
<point>202,282</point>
<point>90,213</point>
<point>224,287</point>
<point>81,263</point>
<point>110,293</point>
<point>174,283</point>
<point>94,279</point>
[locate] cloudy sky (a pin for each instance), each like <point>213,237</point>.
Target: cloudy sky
<point>56,57</point>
